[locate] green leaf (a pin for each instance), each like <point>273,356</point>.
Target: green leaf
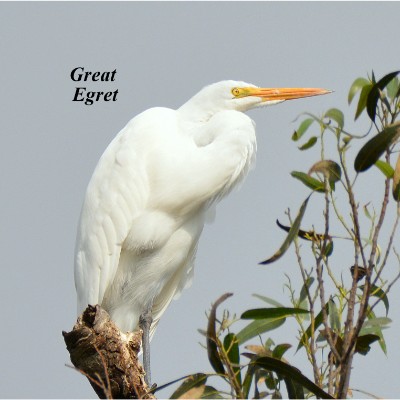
<point>376,330</point>
<point>302,129</point>
<point>274,312</point>
<point>357,85</point>
<point>367,213</point>
<point>289,372</point>
<point>248,378</point>
<point>165,385</point>
<point>362,101</point>
<point>380,294</point>
<point>306,287</point>
<point>374,94</point>
<point>269,343</point>
<point>336,115</point>
<point>231,347</point>
<point>211,393</point>
<point>309,181</point>
<point>319,319</point>
<point>330,169</point>
<point>363,343</point>
<point>294,390</point>
<point>270,382</point>
<point>310,143</point>
<point>193,381</point>
<point>212,340</point>
<point>393,87</point>
<point>373,77</point>
<point>328,249</point>
<point>396,180</point>
<point>375,322</point>
<point>268,300</point>
<point>258,327</point>
<point>280,350</point>
<point>385,168</point>
<point>375,147</point>
<point>291,235</point>
<point>334,319</point>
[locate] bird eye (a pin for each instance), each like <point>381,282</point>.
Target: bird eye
<point>235,91</point>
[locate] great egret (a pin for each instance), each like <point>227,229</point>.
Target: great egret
<point>150,194</point>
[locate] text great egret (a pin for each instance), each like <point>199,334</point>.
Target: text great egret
<point>149,196</point>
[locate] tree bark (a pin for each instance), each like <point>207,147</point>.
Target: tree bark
<point>106,356</point>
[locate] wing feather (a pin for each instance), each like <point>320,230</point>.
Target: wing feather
<point>117,193</point>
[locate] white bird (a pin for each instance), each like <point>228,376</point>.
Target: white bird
<point>151,193</point>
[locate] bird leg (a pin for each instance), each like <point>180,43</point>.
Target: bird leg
<point>145,321</point>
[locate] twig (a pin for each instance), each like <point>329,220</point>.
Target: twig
<point>389,247</point>
<point>331,341</point>
<point>311,353</point>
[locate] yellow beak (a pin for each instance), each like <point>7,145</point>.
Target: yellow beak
<point>274,94</point>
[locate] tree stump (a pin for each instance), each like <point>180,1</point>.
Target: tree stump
<point>106,356</point>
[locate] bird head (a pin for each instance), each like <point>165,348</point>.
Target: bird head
<point>242,96</point>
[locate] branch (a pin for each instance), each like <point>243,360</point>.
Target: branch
<point>106,356</point>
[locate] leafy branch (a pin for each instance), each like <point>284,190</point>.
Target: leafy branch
<point>337,315</point>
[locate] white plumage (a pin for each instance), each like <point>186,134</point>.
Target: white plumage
<point>148,198</point>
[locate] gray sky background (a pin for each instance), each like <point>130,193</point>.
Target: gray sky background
<point>164,53</point>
